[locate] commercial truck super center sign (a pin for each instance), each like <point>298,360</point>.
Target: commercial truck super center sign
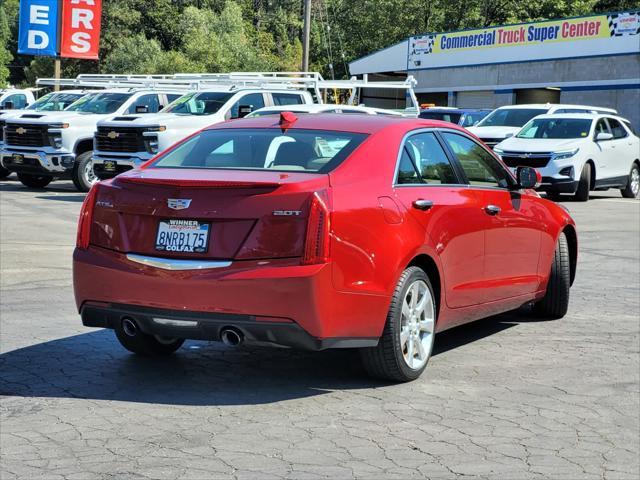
<point>66,28</point>
<point>574,37</point>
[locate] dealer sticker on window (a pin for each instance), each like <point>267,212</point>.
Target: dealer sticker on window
<point>189,236</point>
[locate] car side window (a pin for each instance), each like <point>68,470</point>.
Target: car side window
<point>480,167</point>
<point>150,100</point>
<point>256,100</point>
<point>617,129</point>
<point>287,99</point>
<point>424,161</point>
<point>602,127</point>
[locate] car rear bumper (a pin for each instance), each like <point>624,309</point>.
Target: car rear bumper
<point>275,301</point>
<point>208,326</point>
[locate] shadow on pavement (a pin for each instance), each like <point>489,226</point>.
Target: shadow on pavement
<point>64,198</point>
<point>7,185</point>
<point>94,366</point>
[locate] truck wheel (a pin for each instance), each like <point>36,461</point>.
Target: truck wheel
<point>136,341</point>
<point>34,181</point>
<point>632,190</point>
<point>555,303</point>
<point>584,185</point>
<point>407,340</point>
<point>4,173</point>
<point>83,176</point>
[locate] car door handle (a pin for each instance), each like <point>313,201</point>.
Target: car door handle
<point>422,204</point>
<point>492,210</point>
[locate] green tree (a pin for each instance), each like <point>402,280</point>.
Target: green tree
<point>5,54</point>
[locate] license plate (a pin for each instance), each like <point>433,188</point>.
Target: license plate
<point>176,235</point>
<point>109,165</point>
<point>17,158</point>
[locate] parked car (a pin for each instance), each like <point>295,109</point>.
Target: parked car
<point>506,121</point>
<point>43,147</point>
<point>577,153</point>
<point>124,142</point>
<point>15,98</point>
<point>323,108</point>
<point>11,99</point>
<point>51,102</point>
<point>365,231</point>
<point>465,117</point>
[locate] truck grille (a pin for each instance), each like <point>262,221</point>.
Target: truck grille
<point>119,139</point>
<point>25,135</point>
<point>524,159</point>
<point>2,122</point>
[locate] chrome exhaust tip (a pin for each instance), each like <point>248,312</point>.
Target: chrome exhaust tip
<point>129,327</point>
<point>231,336</point>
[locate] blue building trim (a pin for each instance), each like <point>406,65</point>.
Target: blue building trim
<point>523,61</point>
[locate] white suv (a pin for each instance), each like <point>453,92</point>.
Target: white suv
<point>42,147</point>
<point>125,142</point>
<point>506,121</point>
<point>577,153</point>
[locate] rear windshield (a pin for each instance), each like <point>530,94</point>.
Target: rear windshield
<point>510,117</point>
<point>313,151</point>
<point>556,128</point>
<point>444,116</point>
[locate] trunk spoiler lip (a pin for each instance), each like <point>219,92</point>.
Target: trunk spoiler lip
<point>198,183</point>
<point>235,179</point>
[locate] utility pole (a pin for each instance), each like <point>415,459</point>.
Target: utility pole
<point>306,30</point>
<point>56,73</point>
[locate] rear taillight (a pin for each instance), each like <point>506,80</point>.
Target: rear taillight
<point>86,218</point>
<point>316,245</point>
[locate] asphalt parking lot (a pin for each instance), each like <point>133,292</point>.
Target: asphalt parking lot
<point>506,398</point>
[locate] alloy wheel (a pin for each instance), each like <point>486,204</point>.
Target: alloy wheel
<point>89,174</point>
<point>635,182</point>
<point>417,325</point>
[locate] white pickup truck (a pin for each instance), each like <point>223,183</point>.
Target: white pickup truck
<point>51,102</point>
<point>125,142</point>
<point>14,98</point>
<point>41,147</point>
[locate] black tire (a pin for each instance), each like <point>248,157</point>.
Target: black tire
<point>627,192</point>
<point>147,345</point>
<point>81,179</point>
<point>4,173</point>
<point>34,181</point>
<point>584,184</point>
<point>555,303</point>
<point>386,360</point>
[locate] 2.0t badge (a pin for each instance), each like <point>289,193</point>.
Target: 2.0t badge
<point>178,203</point>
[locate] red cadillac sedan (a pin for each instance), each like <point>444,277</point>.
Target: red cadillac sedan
<point>316,232</point>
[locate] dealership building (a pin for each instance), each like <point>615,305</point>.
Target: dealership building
<point>593,60</point>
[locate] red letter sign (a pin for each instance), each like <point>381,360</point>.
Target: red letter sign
<point>80,28</point>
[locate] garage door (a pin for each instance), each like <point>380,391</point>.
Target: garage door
<point>475,99</point>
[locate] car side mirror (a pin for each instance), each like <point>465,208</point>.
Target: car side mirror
<point>142,108</point>
<point>7,105</point>
<point>244,110</point>
<point>476,123</point>
<point>508,135</point>
<point>528,177</point>
<point>602,136</point>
